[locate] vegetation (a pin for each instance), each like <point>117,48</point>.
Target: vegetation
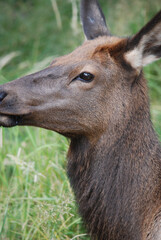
<point>36,201</point>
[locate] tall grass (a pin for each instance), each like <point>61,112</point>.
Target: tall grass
<point>36,201</point>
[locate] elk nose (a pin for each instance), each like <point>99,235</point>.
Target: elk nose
<point>2,95</point>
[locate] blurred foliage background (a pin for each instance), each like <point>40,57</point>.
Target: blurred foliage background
<point>36,201</point>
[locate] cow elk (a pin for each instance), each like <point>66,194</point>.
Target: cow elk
<point>97,96</point>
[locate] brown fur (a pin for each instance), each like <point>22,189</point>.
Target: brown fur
<point>114,159</point>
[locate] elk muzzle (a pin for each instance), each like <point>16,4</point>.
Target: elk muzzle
<point>10,116</point>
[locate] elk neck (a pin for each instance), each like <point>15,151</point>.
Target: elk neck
<point>116,179</point>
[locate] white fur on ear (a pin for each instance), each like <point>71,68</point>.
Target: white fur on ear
<point>149,59</point>
<point>137,60</point>
<point>148,48</point>
<point>134,57</point>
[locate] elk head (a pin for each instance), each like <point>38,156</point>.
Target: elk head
<point>90,89</point>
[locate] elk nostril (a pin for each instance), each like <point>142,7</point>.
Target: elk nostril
<point>2,95</point>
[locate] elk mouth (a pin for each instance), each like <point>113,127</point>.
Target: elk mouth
<point>10,120</point>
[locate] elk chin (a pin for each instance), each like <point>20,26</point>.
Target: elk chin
<point>9,120</point>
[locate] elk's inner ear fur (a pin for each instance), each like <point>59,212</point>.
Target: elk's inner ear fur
<point>145,46</point>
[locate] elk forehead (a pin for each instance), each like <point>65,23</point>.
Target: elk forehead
<point>88,50</point>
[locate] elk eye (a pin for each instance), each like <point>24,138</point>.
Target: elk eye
<point>85,77</point>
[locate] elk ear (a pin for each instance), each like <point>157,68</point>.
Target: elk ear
<point>93,20</point>
<point>145,47</point>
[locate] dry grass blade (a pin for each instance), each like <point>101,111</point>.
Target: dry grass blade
<point>40,65</point>
<point>57,13</point>
<point>6,59</point>
<point>74,22</point>
<point>1,141</point>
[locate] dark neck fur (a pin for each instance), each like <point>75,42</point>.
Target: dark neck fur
<point>116,181</point>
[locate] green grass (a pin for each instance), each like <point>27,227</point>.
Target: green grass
<point>36,201</point>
